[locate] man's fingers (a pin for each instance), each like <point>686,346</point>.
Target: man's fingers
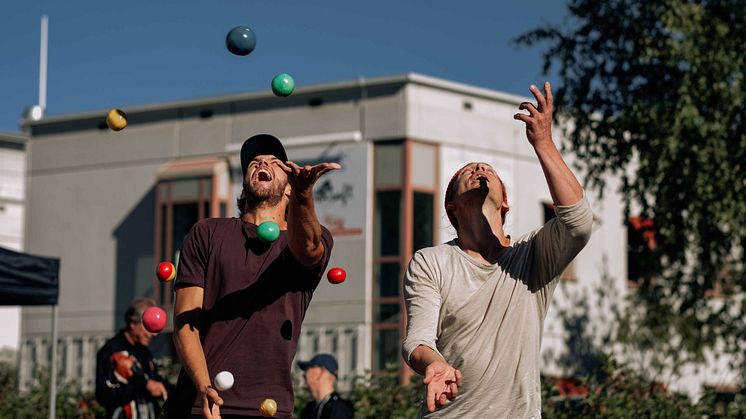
<point>522,117</point>
<point>430,399</point>
<point>548,93</point>
<point>428,377</point>
<point>453,387</point>
<point>215,411</point>
<point>295,168</point>
<point>284,166</point>
<point>206,408</point>
<point>318,170</point>
<point>214,397</point>
<point>442,400</point>
<point>540,100</point>
<point>529,107</point>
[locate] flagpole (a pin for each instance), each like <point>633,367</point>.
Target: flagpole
<point>43,64</point>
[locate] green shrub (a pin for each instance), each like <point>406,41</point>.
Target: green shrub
<point>34,403</point>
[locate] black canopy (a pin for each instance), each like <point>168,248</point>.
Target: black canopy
<point>28,280</point>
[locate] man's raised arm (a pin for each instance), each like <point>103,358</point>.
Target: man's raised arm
<point>563,185</point>
<point>304,229</point>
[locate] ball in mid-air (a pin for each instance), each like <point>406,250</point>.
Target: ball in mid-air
<point>283,85</point>
<point>268,231</point>
<point>223,380</point>
<point>166,271</point>
<point>268,408</point>
<point>154,319</point>
<point>116,119</point>
<point>241,40</point>
<point>336,275</point>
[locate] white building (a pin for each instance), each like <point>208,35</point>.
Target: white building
<point>12,210</point>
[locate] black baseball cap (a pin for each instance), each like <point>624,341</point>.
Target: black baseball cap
<point>321,360</point>
<point>261,144</point>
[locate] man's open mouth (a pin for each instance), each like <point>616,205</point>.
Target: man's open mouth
<point>480,177</point>
<point>263,175</point>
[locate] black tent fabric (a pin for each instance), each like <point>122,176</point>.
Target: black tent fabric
<point>28,280</point>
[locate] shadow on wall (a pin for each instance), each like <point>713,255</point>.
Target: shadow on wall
<point>135,263</point>
<point>589,321</point>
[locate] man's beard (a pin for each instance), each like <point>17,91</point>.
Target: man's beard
<point>265,197</point>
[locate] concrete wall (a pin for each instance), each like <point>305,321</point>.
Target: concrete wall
<point>12,212</point>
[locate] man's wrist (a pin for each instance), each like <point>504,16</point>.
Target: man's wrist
<point>203,386</point>
<point>544,145</point>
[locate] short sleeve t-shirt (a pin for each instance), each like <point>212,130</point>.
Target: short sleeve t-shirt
<point>255,298</point>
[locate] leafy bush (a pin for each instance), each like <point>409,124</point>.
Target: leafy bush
<point>620,392</point>
<point>382,396</point>
<point>34,403</point>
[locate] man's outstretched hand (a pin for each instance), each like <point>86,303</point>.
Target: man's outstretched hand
<point>211,402</point>
<point>442,381</point>
<point>302,179</point>
<point>539,118</point>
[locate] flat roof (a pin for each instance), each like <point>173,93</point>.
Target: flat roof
<point>16,139</point>
<point>325,88</point>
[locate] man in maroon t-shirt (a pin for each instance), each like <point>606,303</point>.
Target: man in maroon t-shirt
<point>240,301</point>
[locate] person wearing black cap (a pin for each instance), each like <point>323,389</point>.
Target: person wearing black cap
<point>320,373</point>
<point>240,301</point>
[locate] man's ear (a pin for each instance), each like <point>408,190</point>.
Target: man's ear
<point>288,190</point>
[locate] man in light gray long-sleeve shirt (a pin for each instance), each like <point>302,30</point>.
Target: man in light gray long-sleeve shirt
<point>476,305</point>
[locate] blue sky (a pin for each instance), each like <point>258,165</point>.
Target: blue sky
<point>118,54</point>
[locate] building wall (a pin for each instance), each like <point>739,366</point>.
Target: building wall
<point>12,190</point>
<point>12,206</point>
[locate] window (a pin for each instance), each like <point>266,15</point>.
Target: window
<point>181,204</point>
<point>388,215</point>
<point>187,191</point>
<point>724,395</point>
<point>387,256</point>
<point>386,340</point>
<point>388,275</point>
<point>422,220</point>
<point>569,273</point>
<point>405,179</point>
<point>642,258</point>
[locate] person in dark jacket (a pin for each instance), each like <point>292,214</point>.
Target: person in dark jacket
<point>320,374</point>
<point>127,381</point>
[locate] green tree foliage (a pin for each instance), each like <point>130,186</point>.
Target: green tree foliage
<point>653,91</point>
<point>34,403</point>
<point>620,392</point>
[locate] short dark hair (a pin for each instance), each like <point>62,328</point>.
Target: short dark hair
<point>134,312</point>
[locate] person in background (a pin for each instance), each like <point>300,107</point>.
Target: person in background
<point>320,373</point>
<point>127,381</point>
